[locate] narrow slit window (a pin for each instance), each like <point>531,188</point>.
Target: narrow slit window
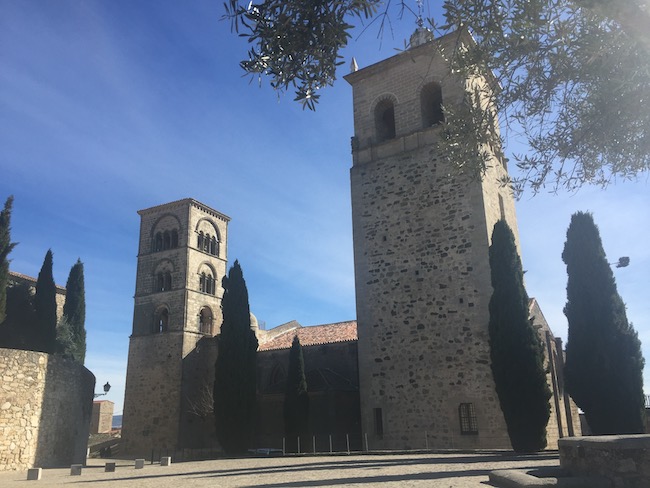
<point>379,422</point>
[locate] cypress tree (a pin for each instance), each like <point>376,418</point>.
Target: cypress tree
<point>516,350</point>
<point>74,313</point>
<point>45,307</point>
<point>235,375</point>
<point>18,331</point>
<point>296,400</point>
<point>5,248</point>
<point>604,364</point>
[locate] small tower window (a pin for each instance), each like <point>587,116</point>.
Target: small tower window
<point>167,240</point>
<point>468,422</point>
<point>385,120</point>
<point>206,243</point>
<point>199,241</point>
<point>213,246</point>
<point>161,323</point>
<point>431,103</point>
<point>158,245</point>
<point>205,321</point>
<point>174,239</point>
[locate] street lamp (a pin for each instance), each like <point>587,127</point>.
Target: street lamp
<point>107,387</point>
<point>622,262</point>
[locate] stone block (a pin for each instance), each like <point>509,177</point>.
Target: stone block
<point>34,474</point>
<point>139,463</point>
<point>75,469</point>
<point>165,461</point>
<point>109,468</point>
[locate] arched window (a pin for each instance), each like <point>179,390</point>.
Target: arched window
<point>207,284</point>
<point>167,240</point>
<point>205,321</point>
<point>174,238</point>
<point>161,322</point>
<point>213,246</point>
<point>385,120</point>
<point>277,376</point>
<point>431,104</point>
<point>158,243</point>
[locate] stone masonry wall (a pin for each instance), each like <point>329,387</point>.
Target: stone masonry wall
<point>162,362</point>
<point>45,409</point>
<point>102,417</point>
<point>622,459</point>
<point>421,239</point>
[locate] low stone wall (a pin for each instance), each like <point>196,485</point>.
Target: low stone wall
<point>45,407</point>
<point>623,459</point>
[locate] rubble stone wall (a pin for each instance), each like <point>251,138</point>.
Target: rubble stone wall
<point>45,408</point>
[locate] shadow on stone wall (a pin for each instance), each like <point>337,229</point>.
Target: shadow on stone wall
<point>45,409</point>
<point>65,414</point>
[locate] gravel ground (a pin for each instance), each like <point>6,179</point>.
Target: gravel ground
<point>382,470</point>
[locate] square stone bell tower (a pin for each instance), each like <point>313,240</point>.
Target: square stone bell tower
<point>182,259</point>
<point>421,238</point>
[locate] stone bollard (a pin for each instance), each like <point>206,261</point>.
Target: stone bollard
<point>75,469</point>
<point>165,461</point>
<point>139,463</point>
<point>109,468</point>
<point>34,474</point>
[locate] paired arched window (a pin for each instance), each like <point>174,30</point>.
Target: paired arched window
<point>165,240</point>
<point>385,120</point>
<point>207,283</point>
<point>205,321</point>
<point>431,104</point>
<point>161,321</point>
<point>207,243</point>
<point>164,281</point>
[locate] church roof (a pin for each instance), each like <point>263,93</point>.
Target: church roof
<point>313,335</point>
<point>19,278</point>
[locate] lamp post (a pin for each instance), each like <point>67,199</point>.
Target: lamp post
<point>107,387</point>
<point>622,262</point>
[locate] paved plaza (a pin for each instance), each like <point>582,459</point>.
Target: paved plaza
<point>385,471</point>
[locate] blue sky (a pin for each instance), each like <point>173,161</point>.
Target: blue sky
<point>108,107</point>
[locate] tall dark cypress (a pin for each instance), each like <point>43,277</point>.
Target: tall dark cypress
<point>74,311</point>
<point>296,399</point>
<point>5,248</point>
<point>516,350</point>
<point>45,307</point>
<point>604,364</point>
<point>235,376</point>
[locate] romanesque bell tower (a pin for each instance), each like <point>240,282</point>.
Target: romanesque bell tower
<point>181,262</point>
<point>421,239</point>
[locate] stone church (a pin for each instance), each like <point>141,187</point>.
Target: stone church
<point>413,371</point>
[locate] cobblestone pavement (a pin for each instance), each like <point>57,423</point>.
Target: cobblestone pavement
<point>381,470</point>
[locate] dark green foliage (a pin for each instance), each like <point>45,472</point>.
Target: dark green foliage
<point>74,313</point>
<point>604,364</point>
<point>5,248</point>
<point>516,349</point>
<point>296,399</point>
<point>235,375</point>
<point>18,331</point>
<point>296,43</point>
<point>45,307</point>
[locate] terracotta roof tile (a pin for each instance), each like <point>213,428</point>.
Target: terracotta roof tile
<point>314,335</point>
